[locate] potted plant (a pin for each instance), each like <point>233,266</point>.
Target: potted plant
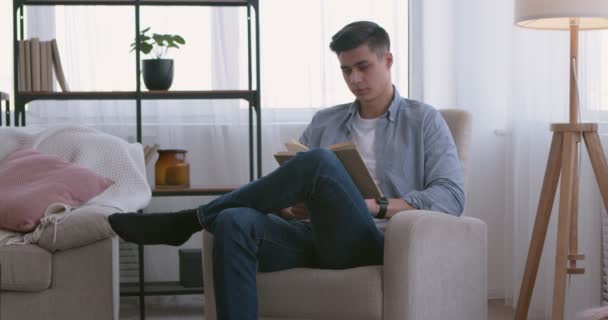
<point>157,72</point>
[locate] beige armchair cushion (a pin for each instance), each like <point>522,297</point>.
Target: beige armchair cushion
<point>354,294</point>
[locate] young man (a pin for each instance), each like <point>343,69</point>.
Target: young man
<point>406,145</point>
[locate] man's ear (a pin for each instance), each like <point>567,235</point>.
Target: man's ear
<point>388,58</point>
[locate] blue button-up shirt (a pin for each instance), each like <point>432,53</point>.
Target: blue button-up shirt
<point>416,158</point>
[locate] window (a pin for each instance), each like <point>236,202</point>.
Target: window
<point>298,69</point>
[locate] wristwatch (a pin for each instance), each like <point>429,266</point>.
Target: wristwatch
<point>383,202</point>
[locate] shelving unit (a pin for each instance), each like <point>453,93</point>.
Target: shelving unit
<point>251,95</point>
<point>4,98</point>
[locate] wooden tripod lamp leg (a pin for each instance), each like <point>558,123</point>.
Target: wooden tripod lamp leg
<point>598,161</point>
<point>539,233</point>
<point>563,225</point>
<point>574,255</point>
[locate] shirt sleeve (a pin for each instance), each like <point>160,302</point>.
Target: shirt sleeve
<point>443,180</point>
<point>306,137</point>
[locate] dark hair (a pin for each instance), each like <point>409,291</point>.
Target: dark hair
<point>357,33</point>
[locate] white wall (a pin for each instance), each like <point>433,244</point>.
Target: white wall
<point>457,52</point>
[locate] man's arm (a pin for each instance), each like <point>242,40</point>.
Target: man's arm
<point>443,181</point>
<point>394,205</point>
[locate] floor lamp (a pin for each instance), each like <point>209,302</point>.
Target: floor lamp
<point>572,15</point>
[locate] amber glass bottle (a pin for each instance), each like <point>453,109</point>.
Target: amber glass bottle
<point>172,169</point>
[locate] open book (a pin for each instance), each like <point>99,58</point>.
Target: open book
<point>351,160</point>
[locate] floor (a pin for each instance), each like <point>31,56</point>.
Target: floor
<point>191,310</point>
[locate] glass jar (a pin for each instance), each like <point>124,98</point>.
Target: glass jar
<point>172,169</point>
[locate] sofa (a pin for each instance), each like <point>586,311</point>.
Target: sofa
<point>434,268</point>
<point>79,283</point>
<point>69,269</point>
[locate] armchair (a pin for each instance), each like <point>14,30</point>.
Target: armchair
<point>434,268</point>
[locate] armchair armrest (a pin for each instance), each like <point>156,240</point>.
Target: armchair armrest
<point>435,267</point>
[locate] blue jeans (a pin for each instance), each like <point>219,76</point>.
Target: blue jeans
<point>341,232</point>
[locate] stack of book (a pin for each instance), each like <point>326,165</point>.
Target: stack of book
<point>37,59</point>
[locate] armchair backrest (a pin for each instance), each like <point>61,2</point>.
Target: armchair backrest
<point>459,122</point>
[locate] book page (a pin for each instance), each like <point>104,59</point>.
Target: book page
<point>295,146</point>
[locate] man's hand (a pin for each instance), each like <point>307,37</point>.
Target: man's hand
<point>372,206</point>
<point>297,211</point>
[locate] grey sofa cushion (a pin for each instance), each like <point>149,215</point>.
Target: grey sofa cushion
<point>25,268</point>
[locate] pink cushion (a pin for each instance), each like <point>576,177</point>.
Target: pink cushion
<point>30,181</point>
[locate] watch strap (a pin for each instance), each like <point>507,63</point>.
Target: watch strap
<point>383,202</point>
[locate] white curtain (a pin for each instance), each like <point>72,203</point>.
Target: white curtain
<point>515,82</point>
<point>540,97</point>
<point>299,75</point>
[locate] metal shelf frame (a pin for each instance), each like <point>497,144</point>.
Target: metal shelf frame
<point>251,95</point>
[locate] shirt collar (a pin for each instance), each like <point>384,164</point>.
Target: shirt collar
<point>390,114</point>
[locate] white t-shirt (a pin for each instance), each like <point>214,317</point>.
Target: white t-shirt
<point>364,132</point>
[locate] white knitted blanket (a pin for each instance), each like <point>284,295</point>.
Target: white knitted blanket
<point>105,154</point>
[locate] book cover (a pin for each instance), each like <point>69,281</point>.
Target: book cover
<point>350,158</point>
<point>35,55</point>
<point>28,65</point>
<point>49,66</point>
<point>43,67</point>
<point>22,77</point>
<point>58,67</point>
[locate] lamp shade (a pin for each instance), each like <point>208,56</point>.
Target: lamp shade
<point>556,14</point>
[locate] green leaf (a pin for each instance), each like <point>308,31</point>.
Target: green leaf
<point>179,39</point>
<point>146,48</point>
<point>159,39</point>
<point>156,42</point>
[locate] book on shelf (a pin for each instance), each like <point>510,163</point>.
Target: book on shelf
<point>43,67</point>
<point>21,80</point>
<point>35,71</point>
<point>149,152</point>
<point>37,60</point>
<point>28,66</point>
<point>49,66</point>
<point>59,67</point>
<point>350,158</point>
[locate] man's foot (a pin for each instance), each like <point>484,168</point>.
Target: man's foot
<point>156,228</point>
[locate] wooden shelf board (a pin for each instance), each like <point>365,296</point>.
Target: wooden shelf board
<point>158,289</point>
<point>192,191</point>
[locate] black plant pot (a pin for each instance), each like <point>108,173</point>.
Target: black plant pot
<point>158,73</point>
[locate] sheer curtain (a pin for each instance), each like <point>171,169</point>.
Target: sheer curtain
<point>515,82</point>
<point>540,97</point>
<point>299,76</point>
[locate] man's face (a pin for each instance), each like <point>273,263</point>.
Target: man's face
<point>366,73</point>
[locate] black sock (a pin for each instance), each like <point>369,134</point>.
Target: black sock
<point>173,228</point>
